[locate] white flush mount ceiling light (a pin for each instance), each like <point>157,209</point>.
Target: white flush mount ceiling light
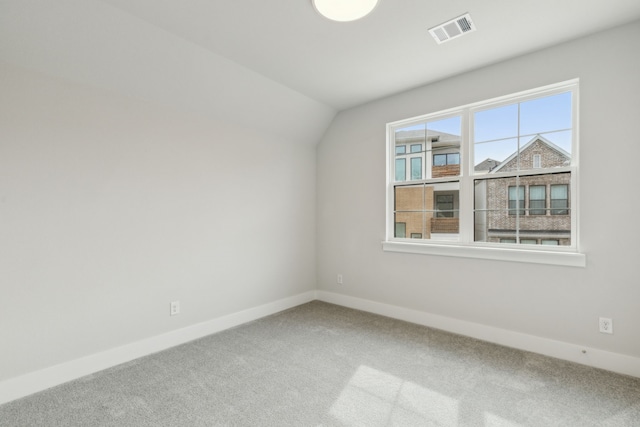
<point>344,10</point>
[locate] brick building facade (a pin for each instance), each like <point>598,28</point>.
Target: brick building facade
<point>532,208</point>
<point>535,205</point>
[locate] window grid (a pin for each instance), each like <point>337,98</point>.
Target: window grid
<point>537,200</point>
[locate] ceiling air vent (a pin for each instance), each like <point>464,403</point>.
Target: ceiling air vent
<point>452,29</point>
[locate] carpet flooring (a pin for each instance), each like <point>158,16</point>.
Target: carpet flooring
<point>324,365</point>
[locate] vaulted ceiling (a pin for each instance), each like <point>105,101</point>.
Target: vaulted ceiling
<point>345,64</point>
<point>265,59</point>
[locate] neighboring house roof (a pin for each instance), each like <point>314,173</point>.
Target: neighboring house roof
<point>528,145</point>
<point>486,165</point>
<point>415,134</point>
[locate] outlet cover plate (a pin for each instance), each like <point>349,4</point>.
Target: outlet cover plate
<point>606,325</point>
<point>175,308</point>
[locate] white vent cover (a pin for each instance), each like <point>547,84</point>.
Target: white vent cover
<point>452,29</point>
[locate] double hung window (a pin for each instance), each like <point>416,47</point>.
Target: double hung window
<point>498,174</point>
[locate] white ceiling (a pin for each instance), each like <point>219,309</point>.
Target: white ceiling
<point>346,64</point>
<point>277,65</point>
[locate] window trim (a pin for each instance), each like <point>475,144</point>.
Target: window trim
<point>466,247</point>
<point>532,254</point>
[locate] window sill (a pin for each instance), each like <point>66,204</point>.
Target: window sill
<point>571,259</point>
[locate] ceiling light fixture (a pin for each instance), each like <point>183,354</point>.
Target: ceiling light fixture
<point>344,10</point>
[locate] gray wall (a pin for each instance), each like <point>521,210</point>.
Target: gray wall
<point>558,303</point>
<point>111,207</point>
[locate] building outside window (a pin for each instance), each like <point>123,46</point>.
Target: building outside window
<point>559,199</point>
<point>416,168</point>
<point>537,199</point>
<point>516,200</point>
<point>508,183</point>
<point>537,161</point>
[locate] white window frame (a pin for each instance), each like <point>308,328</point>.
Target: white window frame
<point>466,246</point>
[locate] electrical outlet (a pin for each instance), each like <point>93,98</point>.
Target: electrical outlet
<point>339,279</point>
<point>175,308</point>
<point>606,325</point>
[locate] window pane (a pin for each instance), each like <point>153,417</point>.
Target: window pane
<point>446,159</point>
<point>439,159</point>
<point>559,191</point>
<point>447,128</point>
<point>444,206</point>
<point>559,207</point>
<point>495,123</point>
<point>496,200</point>
<point>416,168</point>
<point>416,148</point>
<point>550,242</point>
<point>444,143</point>
<point>491,156</point>
<point>537,161</point>
<point>547,114</point>
<point>431,210</point>
<point>542,126</point>
<point>537,192</point>
<point>409,208</point>
<point>537,199</point>
<point>559,199</point>
<point>414,136</point>
<point>516,200</point>
<point>401,172</point>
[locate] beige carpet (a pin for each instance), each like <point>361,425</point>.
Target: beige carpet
<point>324,365</point>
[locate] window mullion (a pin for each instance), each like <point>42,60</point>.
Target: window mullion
<point>466,213</point>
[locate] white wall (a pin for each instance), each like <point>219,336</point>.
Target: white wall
<point>556,303</point>
<point>111,207</point>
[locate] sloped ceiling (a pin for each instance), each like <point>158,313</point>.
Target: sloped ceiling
<point>277,64</point>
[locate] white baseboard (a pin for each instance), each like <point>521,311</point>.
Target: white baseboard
<point>24,385</point>
<point>596,358</point>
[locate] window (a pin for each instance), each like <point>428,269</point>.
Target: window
<point>416,168</point>
<point>401,229</point>
<point>444,206</point>
<point>416,148</point>
<point>446,159</point>
<point>401,173</point>
<point>537,199</point>
<point>559,199</point>
<point>479,179</point>
<point>537,161</point>
<point>401,149</point>
<point>516,200</point>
